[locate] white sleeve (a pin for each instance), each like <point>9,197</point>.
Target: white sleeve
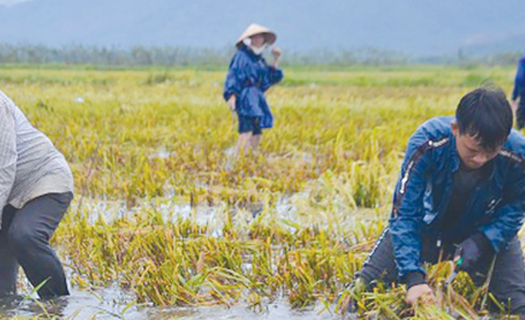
<point>8,153</point>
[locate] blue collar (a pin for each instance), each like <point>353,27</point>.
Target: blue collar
<point>454,154</point>
<point>250,52</point>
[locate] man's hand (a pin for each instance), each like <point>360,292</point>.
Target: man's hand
<point>276,52</point>
<point>514,105</point>
<point>345,303</point>
<point>231,103</point>
<point>422,291</point>
<point>469,251</point>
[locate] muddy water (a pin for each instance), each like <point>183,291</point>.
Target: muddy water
<point>112,303</point>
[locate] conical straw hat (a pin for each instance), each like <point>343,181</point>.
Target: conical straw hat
<point>253,29</point>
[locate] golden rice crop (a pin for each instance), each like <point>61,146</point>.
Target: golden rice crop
<point>142,142</point>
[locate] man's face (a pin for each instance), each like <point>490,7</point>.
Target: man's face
<point>257,40</point>
<point>472,155</point>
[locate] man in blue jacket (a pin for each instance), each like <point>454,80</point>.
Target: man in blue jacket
<point>519,94</point>
<point>461,194</point>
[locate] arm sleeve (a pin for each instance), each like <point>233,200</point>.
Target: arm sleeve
<point>8,153</point>
<point>272,77</point>
<point>236,77</point>
<point>509,217</point>
<point>518,82</point>
<point>407,213</point>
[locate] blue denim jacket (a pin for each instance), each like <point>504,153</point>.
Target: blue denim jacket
<point>496,208</point>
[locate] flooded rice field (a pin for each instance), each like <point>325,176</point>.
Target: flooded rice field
<point>114,302</point>
<point>111,303</point>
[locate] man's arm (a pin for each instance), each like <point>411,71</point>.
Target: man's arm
<point>236,77</point>
<point>407,214</point>
<point>8,153</point>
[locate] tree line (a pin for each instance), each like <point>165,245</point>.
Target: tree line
<point>77,54</point>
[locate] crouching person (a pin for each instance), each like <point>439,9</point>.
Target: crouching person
<point>461,196</point>
<point>36,188</point>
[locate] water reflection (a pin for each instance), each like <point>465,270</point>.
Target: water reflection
<point>116,303</point>
<point>112,303</point>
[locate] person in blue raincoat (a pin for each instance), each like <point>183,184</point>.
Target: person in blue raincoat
<point>518,94</point>
<point>249,77</point>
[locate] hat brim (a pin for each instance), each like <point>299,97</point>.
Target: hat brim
<point>269,38</point>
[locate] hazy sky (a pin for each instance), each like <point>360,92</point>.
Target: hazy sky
<point>11,2</point>
<point>416,27</point>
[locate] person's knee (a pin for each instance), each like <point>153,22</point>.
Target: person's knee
<point>517,302</point>
<point>519,310</point>
<point>520,118</point>
<point>23,239</point>
<point>512,300</point>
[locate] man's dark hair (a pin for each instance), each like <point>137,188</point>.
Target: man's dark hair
<point>486,115</point>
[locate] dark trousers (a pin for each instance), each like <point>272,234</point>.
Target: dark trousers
<point>249,124</point>
<point>24,241</point>
<point>520,114</point>
<point>507,282</point>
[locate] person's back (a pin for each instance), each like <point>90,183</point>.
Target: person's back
<point>40,168</point>
<point>36,188</point>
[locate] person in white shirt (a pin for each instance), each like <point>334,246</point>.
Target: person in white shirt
<point>36,188</point>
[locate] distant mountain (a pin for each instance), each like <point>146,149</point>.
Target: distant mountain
<point>507,44</point>
<point>410,26</point>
